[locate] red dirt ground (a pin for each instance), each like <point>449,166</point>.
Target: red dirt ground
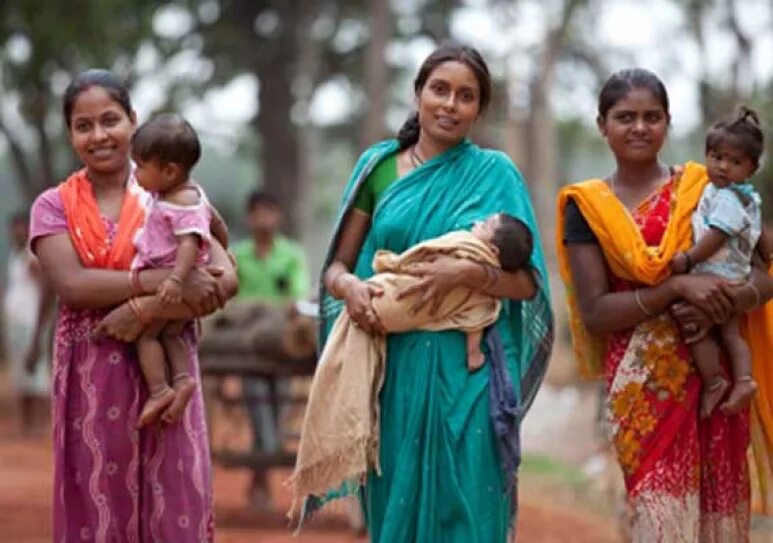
<point>25,472</point>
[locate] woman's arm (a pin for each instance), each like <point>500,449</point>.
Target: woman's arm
<point>605,312</point>
<point>344,285</point>
<point>81,287</point>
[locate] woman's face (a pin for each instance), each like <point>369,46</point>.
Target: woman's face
<point>449,102</point>
<point>636,126</point>
<point>101,131</point>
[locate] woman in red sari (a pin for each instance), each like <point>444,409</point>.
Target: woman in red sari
<point>687,480</point>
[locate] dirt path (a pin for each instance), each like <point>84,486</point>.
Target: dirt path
<point>25,472</point>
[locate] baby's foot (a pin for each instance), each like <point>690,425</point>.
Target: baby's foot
<point>712,395</point>
<point>155,405</point>
<point>184,386</point>
<point>475,360</point>
<point>743,391</point>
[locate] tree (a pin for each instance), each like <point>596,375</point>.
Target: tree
<point>50,41</point>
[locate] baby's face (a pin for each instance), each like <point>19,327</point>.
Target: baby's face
<point>153,176</point>
<point>484,230</point>
<point>728,164</point>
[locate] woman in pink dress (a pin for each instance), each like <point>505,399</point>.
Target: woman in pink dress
<point>113,482</point>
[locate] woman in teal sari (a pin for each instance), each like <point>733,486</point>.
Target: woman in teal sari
<point>442,475</point>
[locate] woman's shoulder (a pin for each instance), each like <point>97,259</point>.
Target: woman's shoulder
<point>49,200</point>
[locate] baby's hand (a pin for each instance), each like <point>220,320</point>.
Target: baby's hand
<point>170,291</point>
<point>679,263</point>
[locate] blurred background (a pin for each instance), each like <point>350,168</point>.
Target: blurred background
<point>286,93</point>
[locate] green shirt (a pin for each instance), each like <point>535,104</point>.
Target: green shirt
<point>377,182</point>
<point>281,276</point>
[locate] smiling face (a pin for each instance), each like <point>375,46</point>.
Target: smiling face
<point>449,102</point>
<point>100,131</point>
<point>636,126</point>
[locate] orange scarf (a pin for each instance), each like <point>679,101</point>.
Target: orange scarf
<point>629,257</point>
<point>88,232</point>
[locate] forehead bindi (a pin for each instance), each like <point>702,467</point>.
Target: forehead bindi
<point>455,74</point>
<point>95,102</point>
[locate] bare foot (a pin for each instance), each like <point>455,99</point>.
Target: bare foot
<point>154,406</point>
<point>741,395</point>
<point>712,395</point>
<point>475,360</point>
<point>183,386</point>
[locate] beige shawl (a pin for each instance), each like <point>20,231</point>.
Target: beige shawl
<point>340,431</point>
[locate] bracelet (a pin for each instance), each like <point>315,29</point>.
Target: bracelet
<point>175,278</point>
<point>134,305</point>
<point>640,303</point>
<point>688,260</point>
<point>134,282</point>
<point>757,297</point>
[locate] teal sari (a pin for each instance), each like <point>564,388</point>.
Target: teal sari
<point>441,477</point>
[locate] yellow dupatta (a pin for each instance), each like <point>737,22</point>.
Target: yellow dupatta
<point>629,258</point>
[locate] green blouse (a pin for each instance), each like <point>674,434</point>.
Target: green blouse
<point>376,184</point>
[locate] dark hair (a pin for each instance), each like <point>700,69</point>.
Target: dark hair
<point>514,241</point>
<point>446,52</point>
<point>622,82</point>
<point>261,198</point>
<point>742,131</point>
<point>95,78</point>
<point>167,138</point>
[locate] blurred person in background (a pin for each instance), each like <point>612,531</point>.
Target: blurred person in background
<point>272,270</point>
<point>27,310</point>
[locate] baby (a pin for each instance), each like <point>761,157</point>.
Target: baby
<point>501,240</point>
<point>339,439</point>
<point>176,235</point>
<point>726,227</point>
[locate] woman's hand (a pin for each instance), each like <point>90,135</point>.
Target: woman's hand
<point>707,293</point>
<point>202,291</point>
<point>357,295</point>
<point>122,323</point>
<point>439,275</point>
<point>693,323</point>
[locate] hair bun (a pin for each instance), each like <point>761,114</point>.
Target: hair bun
<point>748,115</point>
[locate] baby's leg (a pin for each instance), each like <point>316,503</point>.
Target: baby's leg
<point>741,359</point>
<point>151,356</point>
<point>182,381</point>
<point>705,355</point>
<point>475,357</point>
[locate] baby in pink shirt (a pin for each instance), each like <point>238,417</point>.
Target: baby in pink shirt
<point>176,235</point>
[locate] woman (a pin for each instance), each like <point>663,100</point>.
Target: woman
<point>686,480</point>
<point>111,482</point>
<point>441,473</point>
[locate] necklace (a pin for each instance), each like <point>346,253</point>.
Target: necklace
<point>416,160</point>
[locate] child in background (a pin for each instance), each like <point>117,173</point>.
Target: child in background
<point>176,235</point>
<point>726,228</point>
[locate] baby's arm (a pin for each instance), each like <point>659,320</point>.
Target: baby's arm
<point>170,291</point>
<point>708,244</point>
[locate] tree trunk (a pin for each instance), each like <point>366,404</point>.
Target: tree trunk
<point>376,72</point>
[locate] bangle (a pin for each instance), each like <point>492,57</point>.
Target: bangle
<point>688,260</point>
<point>757,297</point>
<point>640,303</point>
<point>134,305</point>
<point>134,282</point>
<point>175,278</point>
